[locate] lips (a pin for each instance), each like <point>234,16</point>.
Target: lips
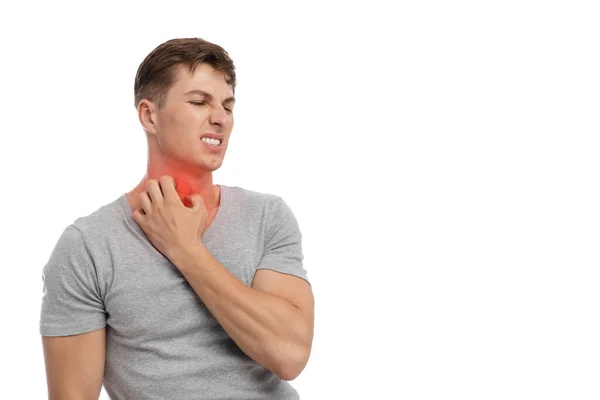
<point>213,148</point>
<point>213,136</point>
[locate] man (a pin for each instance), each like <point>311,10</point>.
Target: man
<point>179,289</point>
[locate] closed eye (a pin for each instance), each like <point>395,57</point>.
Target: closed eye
<point>201,103</point>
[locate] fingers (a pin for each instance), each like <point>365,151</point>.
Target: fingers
<point>156,195</point>
<point>196,201</point>
<point>138,215</point>
<point>146,203</point>
<point>160,191</point>
<point>167,184</point>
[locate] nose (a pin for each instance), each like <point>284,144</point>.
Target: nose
<point>218,116</point>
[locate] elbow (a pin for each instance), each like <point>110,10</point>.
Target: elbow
<point>292,365</point>
<point>289,373</point>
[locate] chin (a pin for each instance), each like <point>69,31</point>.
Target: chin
<point>211,166</point>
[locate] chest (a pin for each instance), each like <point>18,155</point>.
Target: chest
<point>150,297</point>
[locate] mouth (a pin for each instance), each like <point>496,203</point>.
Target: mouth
<point>212,136</point>
<point>212,144</point>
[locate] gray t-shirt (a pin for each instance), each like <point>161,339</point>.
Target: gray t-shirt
<point>161,340</point>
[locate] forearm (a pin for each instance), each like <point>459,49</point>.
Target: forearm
<point>267,328</point>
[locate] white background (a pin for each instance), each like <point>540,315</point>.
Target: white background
<point>442,160</point>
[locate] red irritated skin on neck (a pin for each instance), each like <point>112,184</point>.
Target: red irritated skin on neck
<point>187,182</point>
<point>183,189</point>
<point>187,187</point>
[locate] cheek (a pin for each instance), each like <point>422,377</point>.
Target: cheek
<point>230,124</point>
<point>176,119</point>
<point>191,117</point>
<point>181,122</point>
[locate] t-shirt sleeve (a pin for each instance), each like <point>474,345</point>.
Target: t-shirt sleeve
<point>283,241</point>
<point>71,301</point>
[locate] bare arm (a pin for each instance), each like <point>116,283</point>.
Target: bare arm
<point>272,321</point>
<point>75,365</point>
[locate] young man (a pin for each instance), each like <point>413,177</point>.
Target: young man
<point>179,289</point>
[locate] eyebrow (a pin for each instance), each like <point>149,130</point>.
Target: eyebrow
<point>210,96</point>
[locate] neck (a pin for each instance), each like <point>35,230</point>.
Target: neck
<point>187,181</point>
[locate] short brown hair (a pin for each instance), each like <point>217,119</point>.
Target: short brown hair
<point>155,74</point>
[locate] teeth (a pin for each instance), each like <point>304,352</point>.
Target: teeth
<point>212,142</point>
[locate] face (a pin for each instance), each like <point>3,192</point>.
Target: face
<point>197,104</point>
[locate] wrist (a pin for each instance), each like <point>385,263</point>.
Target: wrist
<point>186,256</point>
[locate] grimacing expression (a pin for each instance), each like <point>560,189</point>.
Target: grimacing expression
<point>196,105</point>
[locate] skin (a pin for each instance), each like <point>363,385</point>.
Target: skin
<point>173,135</point>
<point>272,321</point>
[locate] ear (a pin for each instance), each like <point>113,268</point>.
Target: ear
<point>147,115</point>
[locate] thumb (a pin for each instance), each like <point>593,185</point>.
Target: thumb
<point>196,201</point>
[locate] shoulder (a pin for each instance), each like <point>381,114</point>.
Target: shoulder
<point>100,222</point>
<point>252,200</point>
<point>250,195</point>
<point>269,208</point>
